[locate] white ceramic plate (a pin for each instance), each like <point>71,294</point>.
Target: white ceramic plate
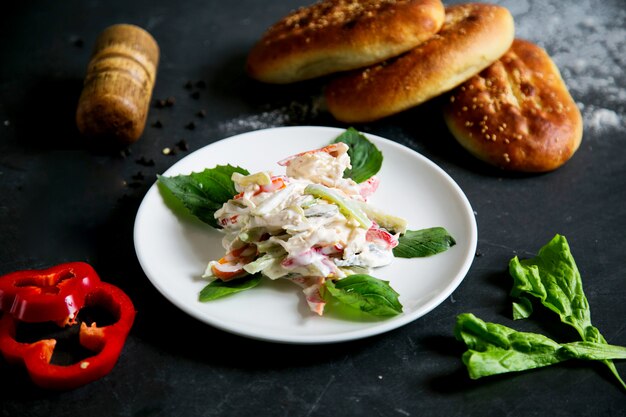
<point>173,247</point>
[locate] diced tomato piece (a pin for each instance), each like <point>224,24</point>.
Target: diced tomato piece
<point>369,187</point>
<point>229,220</point>
<point>376,234</point>
<point>276,184</point>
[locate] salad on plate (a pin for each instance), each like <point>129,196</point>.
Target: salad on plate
<point>311,225</point>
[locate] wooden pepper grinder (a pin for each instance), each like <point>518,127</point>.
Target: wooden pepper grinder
<point>118,86</point>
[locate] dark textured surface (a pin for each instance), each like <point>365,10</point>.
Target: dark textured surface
<point>65,200</point>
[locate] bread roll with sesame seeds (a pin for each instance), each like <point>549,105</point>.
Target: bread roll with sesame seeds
<point>340,35</point>
<point>517,114</point>
<point>473,36</point>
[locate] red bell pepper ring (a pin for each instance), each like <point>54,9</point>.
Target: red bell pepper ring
<point>53,294</point>
<point>106,342</point>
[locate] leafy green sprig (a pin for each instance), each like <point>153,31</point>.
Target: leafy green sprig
<point>203,193</point>
<point>552,277</point>
<point>366,159</point>
<point>495,349</point>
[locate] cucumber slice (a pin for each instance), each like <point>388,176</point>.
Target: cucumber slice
<point>347,207</point>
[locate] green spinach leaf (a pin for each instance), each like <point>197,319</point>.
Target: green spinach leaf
<point>218,288</point>
<point>365,158</point>
<point>203,193</point>
<point>424,242</point>
<point>522,308</point>
<point>495,349</point>
<point>366,293</point>
<point>553,277</point>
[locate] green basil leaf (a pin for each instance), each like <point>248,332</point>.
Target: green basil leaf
<point>553,277</point>
<point>424,242</point>
<point>203,193</point>
<point>365,293</point>
<point>365,158</point>
<point>218,288</point>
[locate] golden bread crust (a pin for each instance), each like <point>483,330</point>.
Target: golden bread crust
<point>517,114</point>
<point>472,37</point>
<point>340,35</point>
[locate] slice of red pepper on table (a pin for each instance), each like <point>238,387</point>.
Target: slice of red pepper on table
<point>41,296</point>
<point>53,294</point>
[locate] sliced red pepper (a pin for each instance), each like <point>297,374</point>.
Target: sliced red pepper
<point>53,294</point>
<point>106,342</point>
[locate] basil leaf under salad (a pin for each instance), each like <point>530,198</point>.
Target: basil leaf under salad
<point>218,289</point>
<point>422,243</point>
<point>365,158</point>
<point>203,193</point>
<point>312,226</point>
<point>366,293</point>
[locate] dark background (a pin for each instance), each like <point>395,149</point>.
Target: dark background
<point>62,199</point>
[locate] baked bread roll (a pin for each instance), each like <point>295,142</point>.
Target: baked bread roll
<point>517,114</point>
<point>340,35</point>
<point>472,37</point>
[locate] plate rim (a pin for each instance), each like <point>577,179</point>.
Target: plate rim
<point>304,339</point>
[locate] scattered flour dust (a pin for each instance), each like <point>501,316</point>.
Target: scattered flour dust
<point>292,114</point>
<point>265,120</point>
<point>587,41</point>
<point>600,120</point>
